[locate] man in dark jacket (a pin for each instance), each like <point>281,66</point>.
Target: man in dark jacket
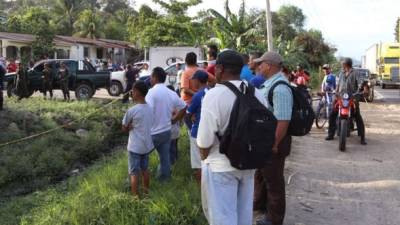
<point>2,74</point>
<point>130,77</point>
<point>22,81</point>
<point>47,81</point>
<point>63,75</point>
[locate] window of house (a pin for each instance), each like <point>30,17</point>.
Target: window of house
<point>86,52</point>
<point>99,53</point>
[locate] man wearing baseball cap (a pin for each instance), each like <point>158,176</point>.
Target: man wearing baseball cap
<point>269,196</point>
<point>329,81</point>
<point>199,79</point>
<point>227,193</point>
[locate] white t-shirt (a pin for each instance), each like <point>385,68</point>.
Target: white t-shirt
<point>141,117</point>
<point>163,102</point>
<point>215,113</point>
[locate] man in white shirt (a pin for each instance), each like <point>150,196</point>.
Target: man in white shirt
<point>227,193</point>
<point>163,102</point>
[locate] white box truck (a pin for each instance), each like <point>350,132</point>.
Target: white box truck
<point>165,56</point>
<point>371,59</point>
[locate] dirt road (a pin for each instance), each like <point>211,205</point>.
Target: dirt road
<point>358,187</point>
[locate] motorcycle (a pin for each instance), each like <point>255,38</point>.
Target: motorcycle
<point>346,106</point>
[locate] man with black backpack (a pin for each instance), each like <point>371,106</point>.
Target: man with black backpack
<point>269,193</point>
<point>235,136</point>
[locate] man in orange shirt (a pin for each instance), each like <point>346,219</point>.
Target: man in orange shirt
<point>188,88</point>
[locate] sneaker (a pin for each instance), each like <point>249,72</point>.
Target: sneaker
<point>263,221</point>
<point>329,138</point>
<point>363,142</point>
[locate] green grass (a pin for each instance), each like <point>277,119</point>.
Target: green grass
<point>33,164</point>
<point>101,196</point>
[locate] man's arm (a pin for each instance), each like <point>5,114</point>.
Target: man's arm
<point>179,116</point>
<point>283,103</point>
<point>206,135</point>
<point>280,133</point>
<point>185,84</point>
<point>180,105</point>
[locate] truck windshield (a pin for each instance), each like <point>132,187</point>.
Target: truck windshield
<point>391,60</point>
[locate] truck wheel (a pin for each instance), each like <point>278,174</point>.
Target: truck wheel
<point>115,88</point>
<point>83,91</point>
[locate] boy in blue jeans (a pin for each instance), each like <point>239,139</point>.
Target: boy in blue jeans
<point>138,121</point>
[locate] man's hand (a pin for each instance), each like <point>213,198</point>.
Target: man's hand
<point>204,153</point>
<point>275,150</point>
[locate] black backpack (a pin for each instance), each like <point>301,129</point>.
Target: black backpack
<point>302,113</point>
<point>250,135</point>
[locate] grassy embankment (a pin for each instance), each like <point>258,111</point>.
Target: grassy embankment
<point>100,195</point>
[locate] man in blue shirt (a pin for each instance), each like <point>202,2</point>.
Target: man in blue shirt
<point>246,73</point>
<point>269,188</point>
<point>258,79</point>
<point>200,78</point>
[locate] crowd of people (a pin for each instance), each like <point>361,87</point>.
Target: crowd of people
<point>205,103</point>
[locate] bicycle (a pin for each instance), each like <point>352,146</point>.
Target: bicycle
<point>324,109</point>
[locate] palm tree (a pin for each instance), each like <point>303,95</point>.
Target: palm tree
<point>231,29</point>
<point>89,25</point>
<point>66,12</point>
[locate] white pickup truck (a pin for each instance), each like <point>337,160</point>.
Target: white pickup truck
<point>118,82</point>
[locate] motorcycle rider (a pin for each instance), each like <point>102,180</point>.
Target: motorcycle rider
<point>348,83</point>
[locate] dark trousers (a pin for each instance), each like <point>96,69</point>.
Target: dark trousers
<point>173,151</point>
<point>65,90</point>
<point>269,185</point>
<point>128,88</point>
<point>1,98</point>
<point>48,86</point>
<point>357,116</point>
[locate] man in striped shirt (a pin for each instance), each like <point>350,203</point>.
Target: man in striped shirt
<point>270,181</point>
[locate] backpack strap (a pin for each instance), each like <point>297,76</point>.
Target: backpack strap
<point>233,88</point>
<point>271,91</point>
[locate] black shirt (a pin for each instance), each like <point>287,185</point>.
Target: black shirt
<point>131,75</point>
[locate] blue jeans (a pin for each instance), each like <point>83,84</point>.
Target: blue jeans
<point>162,143</point>
<point>137,163</point>
<point>227,197</point>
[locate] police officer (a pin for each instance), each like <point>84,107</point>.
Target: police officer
<point>47,81</point>
<point>2,73</point>
<point>130,77</point>
<point>22,81</point>
<point>63,75</point>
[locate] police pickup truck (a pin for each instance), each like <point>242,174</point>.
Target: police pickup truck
<point>84,79</point>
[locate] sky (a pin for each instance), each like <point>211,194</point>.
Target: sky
<point>351,26</point>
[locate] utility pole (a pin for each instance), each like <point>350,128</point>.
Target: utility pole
<point>269,27</point>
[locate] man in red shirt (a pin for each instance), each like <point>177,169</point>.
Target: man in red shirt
<point>212,52</point>
<point>12,66</point>
<point>301,77</point>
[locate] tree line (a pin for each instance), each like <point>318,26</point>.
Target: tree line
<point>244,30</point>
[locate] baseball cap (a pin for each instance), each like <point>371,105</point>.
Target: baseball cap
<point>270,57</point>
<point>200,75</point>
<point>325,66</point>
<point>230,57</point>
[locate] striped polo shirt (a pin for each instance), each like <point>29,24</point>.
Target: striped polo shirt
<point>282,97</point>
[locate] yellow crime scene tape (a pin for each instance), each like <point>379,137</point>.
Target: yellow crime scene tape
<point>59,127</point>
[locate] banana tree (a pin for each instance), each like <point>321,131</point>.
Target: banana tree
<point>233,29</point>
